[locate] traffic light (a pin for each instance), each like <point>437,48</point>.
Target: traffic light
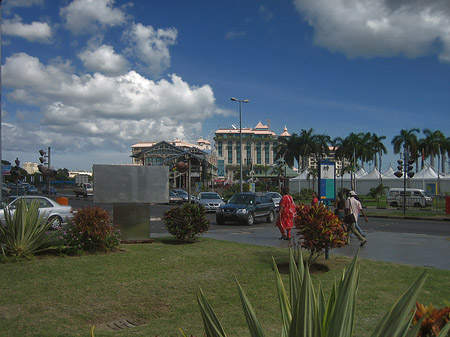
<point>409,168</point>
<point>399,173</point>
<point>15,171</point>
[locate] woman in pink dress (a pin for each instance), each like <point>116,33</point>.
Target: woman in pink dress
<point>286,214</point>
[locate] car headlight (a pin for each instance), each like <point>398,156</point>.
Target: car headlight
<point>241,211</point>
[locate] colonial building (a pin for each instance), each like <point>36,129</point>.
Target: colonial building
<point>198,157</point>
<point>259,148</point>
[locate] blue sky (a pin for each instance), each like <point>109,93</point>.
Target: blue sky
<point>90,78</point>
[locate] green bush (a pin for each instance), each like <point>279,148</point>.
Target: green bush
<point>91,230</point>
<point>186,222</point>
<point>25,231</point>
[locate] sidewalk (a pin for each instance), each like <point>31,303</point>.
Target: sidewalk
<point>411,249</point>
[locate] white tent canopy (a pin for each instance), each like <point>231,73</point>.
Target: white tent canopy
<point>424,179</point>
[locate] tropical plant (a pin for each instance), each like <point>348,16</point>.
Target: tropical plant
<point>94,226</point>
<point>377,192</point>
<point>287,148</point>
<point>25,231</point>
<point>319,229</point>
<point>69,240</point>
<point>186,222</point>
<point>407,140</point>
<point>433,144</point>
<point>433,320</point>
<point>306,313</point>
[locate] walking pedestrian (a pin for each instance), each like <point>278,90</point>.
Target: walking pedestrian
<point>352,208</point>
<point>315,200</point>
<point>339,209</point>
<point>286,214</point>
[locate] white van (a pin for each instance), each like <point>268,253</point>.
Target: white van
<point>415,197</point>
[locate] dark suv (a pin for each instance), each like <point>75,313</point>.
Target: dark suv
<point>246,207</point>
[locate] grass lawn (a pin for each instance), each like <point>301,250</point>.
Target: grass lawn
<point>156,284</point>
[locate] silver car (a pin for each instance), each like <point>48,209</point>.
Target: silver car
<point>55,213</point>
<point>210,200</point>
<point>276,198</point>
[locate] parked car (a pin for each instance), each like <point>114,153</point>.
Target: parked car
<point>210,200</point>
<point>414,197</point>
<point>246,207</point>
<point>31,190</point>
<point>44,190</point>
<point>16,189</point>
<point>5,190</point>
<point>276,198</point>
<point>55,213</point>
<point>184,194</point>
<point>174,198</point>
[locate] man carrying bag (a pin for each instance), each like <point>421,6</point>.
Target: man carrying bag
<point>352,209</point>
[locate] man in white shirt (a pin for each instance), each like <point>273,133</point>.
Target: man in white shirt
<point>353,206</point>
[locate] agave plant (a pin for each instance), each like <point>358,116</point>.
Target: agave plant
<point>25,231</point>
<point>305,313</point>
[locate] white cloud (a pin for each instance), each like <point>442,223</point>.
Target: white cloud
<point>152,46</point>
<point>265,13</point>
<point>86,16</point>
<point>233,35</point>
<point>36,31</point>
<point>96,111</point>
<point>104,59</point>
<point>371,28</point>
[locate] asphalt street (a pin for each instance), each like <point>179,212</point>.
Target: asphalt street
<point>417,242</point>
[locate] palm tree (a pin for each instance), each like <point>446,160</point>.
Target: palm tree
<point>322,145</point>
<point>306,146</point>
<point>363,149</point>
<point>287,148</point>
<point>406,140</point>
<point>432,144</point>
<point>378,149</point>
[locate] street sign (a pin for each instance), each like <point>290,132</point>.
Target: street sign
<point>6,170</point>
<point>327,181</point>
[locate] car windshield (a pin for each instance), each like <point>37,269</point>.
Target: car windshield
<point>209,196</point>
<point>242,199</point>
<point>181,192</point>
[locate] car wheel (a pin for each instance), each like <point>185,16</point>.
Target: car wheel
<point>417,205</point>
<point>55,221</point>
<point>250,219</point>
<point>394,204</point>
<point>220,222</point>
<point>270,217</point>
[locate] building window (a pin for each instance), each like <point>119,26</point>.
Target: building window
<point>238,152</point>
<point>266,153</point>
<point>230,152</point>
<point>258,153</point>
<point>219,148</point>
<point>275,150</point>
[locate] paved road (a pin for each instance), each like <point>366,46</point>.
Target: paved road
<point>421,242</point>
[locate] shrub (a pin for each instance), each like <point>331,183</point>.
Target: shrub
<point>25,231</point>
<point>92,225</point>
<point>69,240</point>
<point>433,320</point>
<point>186,222</point>
<point>320,230</point>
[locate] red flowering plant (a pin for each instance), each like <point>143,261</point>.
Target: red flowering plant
<point>433,319</point>
<point>319,229</point>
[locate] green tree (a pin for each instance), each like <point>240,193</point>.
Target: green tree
<point>287,149</point>
<point>407,140</point>
<point>307,146</point>
<point>432,144</point>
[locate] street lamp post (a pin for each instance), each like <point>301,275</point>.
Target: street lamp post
<point>240,134</point>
